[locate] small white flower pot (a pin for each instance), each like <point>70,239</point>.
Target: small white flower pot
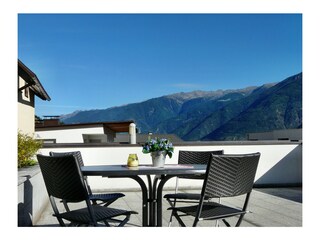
<point>158,158</point>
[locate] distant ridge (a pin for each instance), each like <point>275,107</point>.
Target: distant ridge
<point>211,115</point>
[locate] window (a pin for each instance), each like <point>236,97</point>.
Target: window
<point>49,140</point>
<point>26,92</point>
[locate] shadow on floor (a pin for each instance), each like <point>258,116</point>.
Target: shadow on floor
<point>293,194</point>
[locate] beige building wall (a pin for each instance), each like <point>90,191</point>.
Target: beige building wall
<point>26,118</point>
<point>26,110</point>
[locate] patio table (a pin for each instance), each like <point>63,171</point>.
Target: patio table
<point>151,194</point>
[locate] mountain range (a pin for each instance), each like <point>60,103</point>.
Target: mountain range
<point>210,115</point>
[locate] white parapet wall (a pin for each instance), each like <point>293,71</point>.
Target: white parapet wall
<point>68,135</point>
<point>280,163</point>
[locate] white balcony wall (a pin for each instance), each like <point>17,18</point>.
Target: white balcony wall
<point>68,135</point>
<point>280,163</point>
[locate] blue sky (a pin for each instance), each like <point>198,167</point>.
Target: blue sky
<point>96,61</point>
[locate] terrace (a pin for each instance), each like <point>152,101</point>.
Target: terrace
<point>270,207</point>
<point>276,199</point>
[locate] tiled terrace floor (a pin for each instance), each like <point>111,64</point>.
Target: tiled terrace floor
<point>270,207</point>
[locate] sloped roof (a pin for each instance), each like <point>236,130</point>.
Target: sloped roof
<point>32,80</point>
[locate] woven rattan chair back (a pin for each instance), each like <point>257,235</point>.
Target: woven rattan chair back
<point>76,154</point>
<point>230,175</point>
<point>103,198</point>
<point>196,157</point>
<point>63,177</point>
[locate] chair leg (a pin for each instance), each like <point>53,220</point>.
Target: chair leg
<point>225,222</point>
<point>175,200</point>
<point>217,221</point>
<point>175,214</point>
<point>171,216</point>
<point>246,202</point>
<point>106,223</point>
<point>124,221</point>
<point>65,204</point>
<point>56,211</point>
<point>239,220</point>
<point>109,202</point>
<point>196,220</point>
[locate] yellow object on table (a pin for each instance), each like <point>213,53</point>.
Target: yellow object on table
<point>133,160</point>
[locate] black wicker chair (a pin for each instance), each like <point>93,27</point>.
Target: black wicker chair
<point>189,157</point>
<point>64,180</point>
<point>226,176</point>
<point>104,199</point>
